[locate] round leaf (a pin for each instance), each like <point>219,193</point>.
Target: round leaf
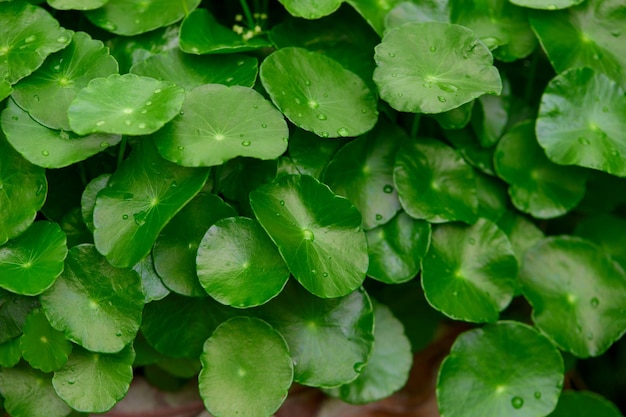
<point>433,67</point>
<point>5,89</point>
<point>503,369</point>
<point>581,121</point>
<point>151,284</point>
<point>13,311</point>
<point>42,346</point>
<point>31,263</point>
<point>330,340</point>
<point>362,171</point>
<point>28,34</point>
<point>374,12</point>
<point>581,403</point>
<point>250,271</point>
<point>310,153</point>
<point>537,185</point>
<point>132,17</point>
<point>23,190</point>
<point>388,367</point>
<point>93,382</point>
<point>50,148</point>
<point>177,246</point>
<point>246,369</point>
<point>607,231</point>
<point>29,393</point>
<point>309,9</point>
<point>550,5</point>
<point>317,94</point>
<point>469,272</point>
<point>94,304</point>
<point>578,294</point>
<point>76,4</point>
<point>141,197</point>
<point>425,11</point>
<point>88,198</point>
<point>201,33</point>
<point>434,183</point>
<point>10,353</point>
<point>397,248</point>
<point>243,124</point>
<point>64,75</point>
<point>125,104</point>
<point>317,233</point>
<point>189,71</point>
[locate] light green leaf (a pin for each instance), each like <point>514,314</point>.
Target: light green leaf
<point>250,271</point>
<point>581,122</point>
<point>76,4</point>
<point>433,67</point>
<point>362,171</point>
<point>396,249</point>
<point>28,34</point>
<point>29,393</point>
<point>50,148</point>
<point>61,78</point>
<point>189,71</point>
<point>201,33</point>
<point>23,189</point>
<point>469,272</point>
<point>317,94</point>
<point>502,369</point>
<point>5,89</point>
<point>546,5</point>
<point>94,382</point>
<point>537,186</point>
<point>330,340</point>
<point>244,124</point>
<point>246,369</point>
<point>141,197</point>
<point>31,263</point>
<point>577,292</point>
<point>177,246</point>
<point>434,183</point>
<point>424,11</point>
<point>88,198</point>
<point>317,233</point>
<point>132,17</point>
<point>42,346</point>
<point>311,10</point>
<point>94,304</point>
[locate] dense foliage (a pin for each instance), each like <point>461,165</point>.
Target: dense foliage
<point>255,193</point>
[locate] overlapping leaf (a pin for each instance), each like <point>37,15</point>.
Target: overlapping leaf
<point>42,346</point>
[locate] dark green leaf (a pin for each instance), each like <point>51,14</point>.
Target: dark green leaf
<point>88,199</point>
<point>456,118</point>
<point>310,153</point>
<point>580,403</point>
<point>76,4</point>
<point>42,346</point>
<point>374,11</point>
<point>10,353</point>
<point>129,51</point>
<point>550,5</point>
<point>5,89</point>
<point>609,232</point>
<point>493,200</point>
<point>13,311</point>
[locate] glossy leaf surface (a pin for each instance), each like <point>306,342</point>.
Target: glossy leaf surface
<point>311,10</point>
<point>76,4</point>
<point>42,346</point>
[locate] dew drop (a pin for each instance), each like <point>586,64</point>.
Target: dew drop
<point>104,145</point>
<point>517,402</point>
<point>394,75</point>
<point>141,125</point>
<point>71,382</point>
<point>45,153</point>
<point>325,274</point>
<point>307,82</point>
<point>551,7</point>
<point>128,122</point>
<point>118,334</point>
<point>594,302</point>
<point>321,116</point>
<point>605,109</point>
<point>379,217</point>
<point>125,217</point>
<point>60,39</point>
<point>442,99</point>
<point>325,95</point>
<point>314,271</point>
<point>157,91</point>
<point>400,94</point>
<point>256,106</point>
<point>246,143</point>
<point>343,132</point>
<point>388,189</point>
<point>472,241</point>
<point>263,125</point>
<point>298,101</point>
<point>583,141</point>
<point>537,395</point>
<point>433,48</point>
<point>181,148</point>
<point>324,134</point>
<point>149,103</point>
<point>391,54</point>
<point>282,202</point>
<point>36,98</point>
<point>589,336</point>
<point>363,110</point>
<point>299,115</point>
<point>616,33</point>
<point>447,87</point>
<point>33,38</point>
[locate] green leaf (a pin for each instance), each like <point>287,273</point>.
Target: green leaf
<point>151,284</point>
<point>467,144</point>
<point>387,369</point>
<point>577,292</point>
<point>28,34</point>
<point>424,11</point>
<point>469,271</point>
<point>125,104</point>
<point>177,246</point>
<point>200,33</point>
<point>330,340</point>
<point>434,183</point>
<point>29,393</point>
<point>43,347</point>
<point>311,10</point>
<point>580,121</point>
<point>550,5</point>
<point>88,198</point>
<point>608,231</point>
<point>502,369</point>
<point>493,200</point>
<point>76,4</point>
<point>317,233</point>
<point>106,303</point>
<point>456,118</point>
<point>64,75</point>
<point>132,17</point>
<point>244,124</point>
<point>491,115</point>
<point>23,189</point>
<point>189,71</point>
<point>31,263</point>
<point>522,233</point>
<point>397,248</point>
<point>177,326</point>
<point>317,94</point>
<point>250,271</point>
<point>13,311</point>
<point>374,12</point>
<point>129,51</point>
<point>310,153</point>
<point>588,35</point>
<point>141,197</point>
<point>50,148</point>
<point>10,353</point>
<point>537,186</point>
<point>580,403</point>
<point>5,89</point>
<point>433,67</point>
<point>246,369</point>
<point>94,382</point>
<point>362,171</point>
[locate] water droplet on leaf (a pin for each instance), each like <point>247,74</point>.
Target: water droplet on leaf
<point>282,202</point>
<point>537,395</point>
<point>343,132</point>
<point>517,402</point>
<point>442,99</point>
<point>246,143</point>
<point>433,48</point>
<point>125,217</point>
<point>263,125</point>
<point>388,189</point>
<point>321,116</point>
<point>583,141</point>
<point>45,153</point>
<point>324,134</point>
<point>594,302</point>
<point>379,217</point>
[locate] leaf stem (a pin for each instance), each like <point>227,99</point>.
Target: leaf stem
<point>121,151</point>
<point>416,125</point>
<point>247,13</point>
<point>530,83</point>
<point>185,8</point>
